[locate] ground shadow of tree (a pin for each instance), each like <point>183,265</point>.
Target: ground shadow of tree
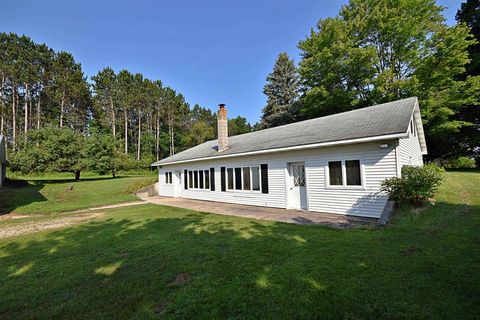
<point>21,192</point>
<point>165,262</point>
<point>17,192</point>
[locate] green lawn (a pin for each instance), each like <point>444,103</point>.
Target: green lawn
<point>158,262</point>
<point>59,192</point>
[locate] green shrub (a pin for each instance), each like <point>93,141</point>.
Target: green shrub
<point>460,163</point>
<point>416,186</point>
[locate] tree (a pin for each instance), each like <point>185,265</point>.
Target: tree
<point>124,94</point>
<point>282,91</point>
<point>469,13</point>
<point>469,136</point>
<point>99,154</point>
<point>51,149</point>
<point>377,51</point>
<point>104,86</point>
<point>70,85</point>
<point>238,125</point>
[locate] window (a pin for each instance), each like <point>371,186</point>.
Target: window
<point>207,179</point>
<point>238,178</point>
<point>230,178</point>
<point>411,126</point>
<point>353,172</point>
<point>246,178</point>
<point>201,179</point>
<point>255,178</point>
<point>168,177</point>
<point>299,175</point>
<point>243,178</point>
<point>345,173</point>
<point>335,173</point>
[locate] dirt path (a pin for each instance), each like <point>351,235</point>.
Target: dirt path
<point>32,226</point>
<point>37,222</point>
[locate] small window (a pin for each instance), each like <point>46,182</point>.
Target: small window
<point>168,177</point>
<point>190,179</point>
<point>238,178</point>
<point>411,126</point>
<point>195,178</point>
<point>201,179</point>
<point>207,179</point>
<point>230,178</point>
<point>335,173</point>
<point>246,178</point>
<point>353,172</point>
<point>255,179</point>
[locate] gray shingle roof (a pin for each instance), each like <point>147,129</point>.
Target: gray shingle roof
<point>383,119</point>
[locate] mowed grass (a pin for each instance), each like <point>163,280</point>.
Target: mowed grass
<point>149,262</point>
<point>60,192</point>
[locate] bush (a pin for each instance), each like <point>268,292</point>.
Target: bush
<point>416,186</point>
<point>460,163</point>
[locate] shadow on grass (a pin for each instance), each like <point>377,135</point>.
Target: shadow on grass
<point>17,192</point>
<point>180,264</point>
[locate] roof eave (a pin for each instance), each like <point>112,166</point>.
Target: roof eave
<point>419,126</point>
<point>293,148</point>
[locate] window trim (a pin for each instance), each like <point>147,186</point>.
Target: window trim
<point>344,185</point>
<point>241,166</point>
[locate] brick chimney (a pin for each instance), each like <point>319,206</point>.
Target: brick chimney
<point>222,127</point>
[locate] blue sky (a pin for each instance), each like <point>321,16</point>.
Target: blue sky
<point>211,51</point>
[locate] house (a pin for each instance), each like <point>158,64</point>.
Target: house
<point>3,161</point>
<point>332,164</point>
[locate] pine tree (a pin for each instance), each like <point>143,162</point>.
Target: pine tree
<point>282,91</point>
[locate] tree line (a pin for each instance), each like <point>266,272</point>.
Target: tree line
<point>376,51</point>
<point>42,90</point>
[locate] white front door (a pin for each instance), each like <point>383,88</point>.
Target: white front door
<point>297,195</point>
<point>177,184</point>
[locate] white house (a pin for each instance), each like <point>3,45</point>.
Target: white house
<point>3,160</point>
<point>332,164</point>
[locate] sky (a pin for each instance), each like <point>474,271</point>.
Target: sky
<point>211,51</point>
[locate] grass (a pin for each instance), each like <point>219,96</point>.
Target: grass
<point>149,262</point>
<point>60,192</point>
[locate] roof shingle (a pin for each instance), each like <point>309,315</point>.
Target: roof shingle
<point>383,119</point>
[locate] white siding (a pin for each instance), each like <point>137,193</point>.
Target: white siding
<point>377,164</point>
<point>409,152</point>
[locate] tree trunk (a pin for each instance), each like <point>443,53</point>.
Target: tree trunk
<point>2,105</point>
<point>171,133</point>
<point>113,118</point>
<point>26,112</point>
<point>77,175</point>
<point>39,110</point>
<point>157,138</point>
<point>14,118</point>
<point>126,132</point>
<point>62,106</point>
<point>139,133</point>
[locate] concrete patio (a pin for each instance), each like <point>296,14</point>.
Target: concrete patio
<point>262,213</point>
